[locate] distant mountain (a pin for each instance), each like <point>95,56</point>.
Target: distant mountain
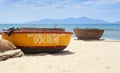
<point>117,22</point>
<point>81,20</point>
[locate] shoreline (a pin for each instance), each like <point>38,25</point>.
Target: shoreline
<point>81,56</point>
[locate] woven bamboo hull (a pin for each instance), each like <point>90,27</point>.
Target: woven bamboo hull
<point>39,40</point>
<point>88,33</point>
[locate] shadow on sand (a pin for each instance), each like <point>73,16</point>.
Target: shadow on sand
<point>61,53</point>
<point>90,39</point>
<point>101,40</point>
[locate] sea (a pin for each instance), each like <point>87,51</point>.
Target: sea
<point>111,31</point>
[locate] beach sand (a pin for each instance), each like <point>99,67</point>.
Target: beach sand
<point>98,56</point>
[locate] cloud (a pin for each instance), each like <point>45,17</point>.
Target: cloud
<point>2,2</point>
<point>24,10</point>
<point>62,3</point>
<point>42,2</point>
<point>59,3</point>
<point>102,2</point>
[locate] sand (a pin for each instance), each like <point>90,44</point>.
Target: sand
<point>98,56</point>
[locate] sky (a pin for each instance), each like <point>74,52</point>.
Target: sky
<point>20,11</point>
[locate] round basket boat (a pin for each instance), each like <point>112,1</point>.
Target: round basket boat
<point>88,33</point>
<point>36,40</point>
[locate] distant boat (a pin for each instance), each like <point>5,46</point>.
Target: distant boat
<point>88,33</point>
<point>36,40</point>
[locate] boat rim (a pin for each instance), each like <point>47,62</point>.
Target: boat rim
<point>89,28</point>
<point>57,32</point>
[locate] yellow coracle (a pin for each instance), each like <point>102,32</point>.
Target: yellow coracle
<point>39,41</point>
